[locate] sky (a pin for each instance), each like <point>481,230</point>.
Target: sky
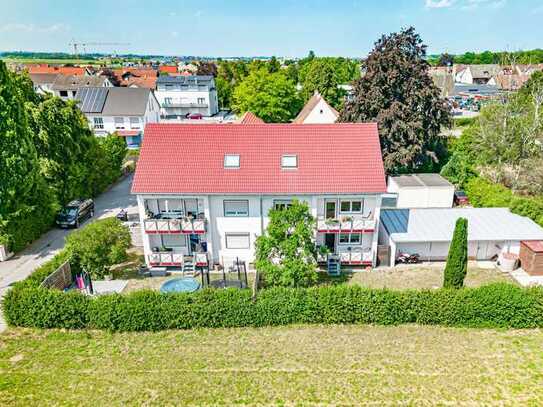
<point>287,28</point>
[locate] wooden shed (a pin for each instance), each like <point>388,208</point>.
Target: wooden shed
<point>531,257</point>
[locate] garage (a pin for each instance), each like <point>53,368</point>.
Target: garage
<point>428,232</point>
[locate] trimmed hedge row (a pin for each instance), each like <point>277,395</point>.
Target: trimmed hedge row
<point>497,305</point>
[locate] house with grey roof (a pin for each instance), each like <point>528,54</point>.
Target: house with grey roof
<point>185,96</point>
<point>42,82</point>
<point>478,74</point>
<point>66,86</point>
<point>124,111</point>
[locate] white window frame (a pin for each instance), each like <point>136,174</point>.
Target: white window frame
<point>228,164</point>
<point>238,213</point>
<point>281,203</point>
<point>135,123</point>
<point>98,123</point>
<point>117,121</point>
<point>286,162</point>
<point>247,235</point>
<point>350,201</point>
<point>349,240</point>
<point>201,101</point>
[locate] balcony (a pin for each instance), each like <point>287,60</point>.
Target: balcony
<point>353,256</point>
<point>184,105</point>
<point>185,225</point>
<point>172,259</point>
<point>346,224</point>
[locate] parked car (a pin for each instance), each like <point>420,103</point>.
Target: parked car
<point>460,198</point>
<point>75,212</point>
<point>195,116</point>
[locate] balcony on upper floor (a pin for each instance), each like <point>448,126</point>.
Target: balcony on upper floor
<point>346,224</point>
<point>174,224</point>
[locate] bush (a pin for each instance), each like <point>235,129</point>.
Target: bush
<point>97,246</point>
<point>499,305</point>
<point>457,259</point>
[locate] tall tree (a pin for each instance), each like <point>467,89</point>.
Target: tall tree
<point>286,253</point>
<point>272,97</point>
<point>273,65</point>
<point>399,94</point>
<point>207,68</point>
<point>321,77</point>
<point>445,60</point>
<point>457,260</point>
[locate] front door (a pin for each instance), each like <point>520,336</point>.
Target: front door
<point>330,209</point>
<point>330,242</point>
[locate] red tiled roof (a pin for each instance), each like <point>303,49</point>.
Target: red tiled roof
<point>332,158</point>
<point>168,68</point>
<point>250,118</point>
<point>64,70</point>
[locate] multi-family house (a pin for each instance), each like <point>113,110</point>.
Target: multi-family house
<point>180,96</point>
<point>205,191</point>
<point>124,111</point>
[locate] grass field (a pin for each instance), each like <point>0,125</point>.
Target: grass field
<point>302,365</point>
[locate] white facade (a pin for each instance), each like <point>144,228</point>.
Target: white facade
<point>233,223</point>
<point>322,113</point>
<point>416,191</point>
<point>129,126</point>
<point>177,100</point>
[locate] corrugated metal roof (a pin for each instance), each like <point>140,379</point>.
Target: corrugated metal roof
<point>484,224</point>
<point>421,180</point>
<point>395,220</point>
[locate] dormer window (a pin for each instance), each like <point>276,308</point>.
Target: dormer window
<point>231,161</point>
<point>289,161</point>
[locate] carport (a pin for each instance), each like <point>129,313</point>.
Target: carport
<point>428,232</point>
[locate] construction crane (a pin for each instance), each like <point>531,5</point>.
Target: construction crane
<point>78,45</point>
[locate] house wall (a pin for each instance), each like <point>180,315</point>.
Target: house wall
<point>188,96</point>
<point>219,225</point>
<point>423,196</point>
<point>321,114</point>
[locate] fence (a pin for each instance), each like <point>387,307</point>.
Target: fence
<point>60,278</point>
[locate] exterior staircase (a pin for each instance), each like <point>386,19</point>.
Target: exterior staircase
<point>188,266</point>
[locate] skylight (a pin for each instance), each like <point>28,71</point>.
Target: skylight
<point>289,161</point>
<point>231,161</point>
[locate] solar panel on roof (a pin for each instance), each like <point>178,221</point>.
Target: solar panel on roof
<point>92,99</point>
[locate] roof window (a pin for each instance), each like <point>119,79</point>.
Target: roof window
<point>231,161</point>
<point>289,161</point>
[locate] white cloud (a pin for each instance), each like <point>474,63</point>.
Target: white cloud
<point>439,3</point>
<point>30,28</point>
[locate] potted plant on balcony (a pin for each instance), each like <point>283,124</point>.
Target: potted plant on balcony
<point>346,218</point>
<point>331,221</point>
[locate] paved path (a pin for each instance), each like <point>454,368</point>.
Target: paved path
<point>24,263</point>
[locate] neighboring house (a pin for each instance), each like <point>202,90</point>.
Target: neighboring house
<point>492,232</point>
<point>421,191</point>
<point>180,96</point>
<point>63,70</point>
<point>478,74</point>
<point>463,90</point>
<point>125,111</point>
<point>137,77</point>
<point>168,69</point>
<point>509,82</point>
<point>66,86</point>
<point>206,190</point>
<point>43,82</point>
<point>249,118</point>
<point>316,111</point>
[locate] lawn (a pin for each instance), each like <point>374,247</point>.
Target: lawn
<point>351,365</point>
<point>420,276</point>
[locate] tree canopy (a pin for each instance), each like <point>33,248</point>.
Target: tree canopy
<point>321,77</point>
<point>271,96</point>
<point>398,93</point>
<point>286,253</point>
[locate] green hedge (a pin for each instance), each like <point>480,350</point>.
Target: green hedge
<point>498,305</point>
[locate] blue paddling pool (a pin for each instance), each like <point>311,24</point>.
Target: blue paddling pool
<point>180,285</point>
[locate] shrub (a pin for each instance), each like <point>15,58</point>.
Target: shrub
<point>457,260</point>
<point>499,305</point>
<point>97,246</point>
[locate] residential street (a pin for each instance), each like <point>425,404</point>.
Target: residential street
<point>43,249</point>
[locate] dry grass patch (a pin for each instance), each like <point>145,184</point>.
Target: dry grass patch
<point>419,277</point>
<point>284,365</point>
